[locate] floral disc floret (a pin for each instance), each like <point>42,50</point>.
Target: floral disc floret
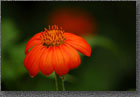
<point>53,36</point>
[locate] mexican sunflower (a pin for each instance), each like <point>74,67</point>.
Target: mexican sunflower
<point>54,50</point>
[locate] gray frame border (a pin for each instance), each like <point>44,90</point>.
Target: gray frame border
<point>85,93</point>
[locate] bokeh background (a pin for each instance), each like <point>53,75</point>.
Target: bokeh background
<point>109,27</point>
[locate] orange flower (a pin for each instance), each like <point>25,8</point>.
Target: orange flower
<point>54,50</point>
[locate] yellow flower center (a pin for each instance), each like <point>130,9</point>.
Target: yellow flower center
<point>53,37</point>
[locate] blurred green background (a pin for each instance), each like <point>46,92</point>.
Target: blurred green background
<point>112,66</point>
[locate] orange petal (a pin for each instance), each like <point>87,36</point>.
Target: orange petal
<point>60,67</point>
<point>30,57</point>
<point>71,56</point>
<point>45,65</point>
<point>78,43</point>
<point>36,39</point>
<point>35,65</point>
<point>32,60</point>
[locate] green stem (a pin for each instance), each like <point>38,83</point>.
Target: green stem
<point>59,83</point>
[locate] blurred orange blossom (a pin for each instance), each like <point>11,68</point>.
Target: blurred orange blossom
<point>74,20</point>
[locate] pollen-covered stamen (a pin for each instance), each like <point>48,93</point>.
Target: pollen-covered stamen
<point>53,37</point>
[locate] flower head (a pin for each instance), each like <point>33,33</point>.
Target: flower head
<point>54,50</point>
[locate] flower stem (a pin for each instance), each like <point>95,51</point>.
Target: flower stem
<point>59,83</point>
